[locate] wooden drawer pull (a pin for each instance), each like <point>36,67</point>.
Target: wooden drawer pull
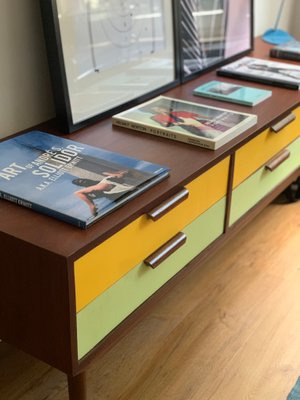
<point>284,122</point>
<point>167,205</point>
<point>277,160</point>
<point>156,258</point>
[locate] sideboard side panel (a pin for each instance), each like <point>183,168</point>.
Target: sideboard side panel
<point>34,302</point>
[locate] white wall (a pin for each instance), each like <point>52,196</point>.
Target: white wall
<point>25,91</point>
<point>265,13</point>
<point>26,97</point>
<point>295,29</point>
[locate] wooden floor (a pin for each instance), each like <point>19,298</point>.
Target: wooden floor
<point>229,331</point>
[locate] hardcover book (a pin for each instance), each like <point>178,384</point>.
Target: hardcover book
<point>245,95</point>
<point>71,181</point>
<point>263,71</point>
<point>288,51</point>
<point>184,121</point>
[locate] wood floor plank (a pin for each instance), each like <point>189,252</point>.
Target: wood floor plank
<point>229,331</point>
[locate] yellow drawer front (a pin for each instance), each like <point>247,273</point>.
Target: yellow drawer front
<point>112,259</point>
<point>254,154</point>
<point>262,182</point>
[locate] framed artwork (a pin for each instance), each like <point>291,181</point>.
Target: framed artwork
<point>213,32</point>
<point>106,55</point>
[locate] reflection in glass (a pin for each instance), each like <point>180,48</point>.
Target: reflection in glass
<point>213,30</point>
<point>114,51</point>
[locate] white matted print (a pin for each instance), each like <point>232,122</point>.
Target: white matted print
<point>114,51</point>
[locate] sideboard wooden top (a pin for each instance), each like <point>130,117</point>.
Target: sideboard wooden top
<point>186,162</point>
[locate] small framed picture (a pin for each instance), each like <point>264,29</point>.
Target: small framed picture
<point>106,55</point>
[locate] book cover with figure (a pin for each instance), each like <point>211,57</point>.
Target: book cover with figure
<point>246,95</point>
<point>184,121</point>
<point>288,51</point>
<point>274,73</point>
<point>69,180</point>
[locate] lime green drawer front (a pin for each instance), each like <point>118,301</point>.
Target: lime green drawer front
<point>258,185</point>
<point>104,313</point>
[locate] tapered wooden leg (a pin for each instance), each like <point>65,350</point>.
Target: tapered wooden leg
<point>77,387</point>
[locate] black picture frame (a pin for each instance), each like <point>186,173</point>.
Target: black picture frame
<point>86,90</point>
<point>210,37</point>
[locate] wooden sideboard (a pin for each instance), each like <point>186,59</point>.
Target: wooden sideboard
<point>68,295</point>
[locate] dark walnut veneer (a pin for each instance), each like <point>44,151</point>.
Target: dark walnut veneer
<point>37,300</point>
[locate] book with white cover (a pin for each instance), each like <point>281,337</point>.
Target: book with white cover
<point>274,73</point>
<point>184,121</point>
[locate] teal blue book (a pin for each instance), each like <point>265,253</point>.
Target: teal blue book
<point>233,93</point>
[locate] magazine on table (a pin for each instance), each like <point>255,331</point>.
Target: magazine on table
<point>233,93</point>
<point>184,121</point>
<point>71,181</point>
<point>264,71</point>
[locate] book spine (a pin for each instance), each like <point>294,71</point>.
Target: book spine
<point>256,78</point>
<point>42,210</point>
<point>224,98</point>
<point>185,138</point>
<point>284,54</point>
